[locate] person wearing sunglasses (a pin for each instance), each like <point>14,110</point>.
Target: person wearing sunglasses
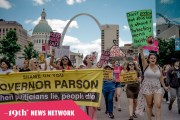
<point>132,90</point>
<point>173,80</point>
<point>66,64</point>
<point>35,65</point>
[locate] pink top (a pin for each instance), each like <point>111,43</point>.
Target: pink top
<point>117,71</point>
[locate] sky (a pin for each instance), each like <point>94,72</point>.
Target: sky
<point>83,34</point>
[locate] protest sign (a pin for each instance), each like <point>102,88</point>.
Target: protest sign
<point>129,77</point>
<point>153,47</point>
<point>103,59</point>
<point>82,86</point>
<point>108,74</point>
<point>177,44</point>
<point>54,39</point>
<point>140,23</point>
<point>115,51</point>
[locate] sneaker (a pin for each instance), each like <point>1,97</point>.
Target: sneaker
<point>116,99</point>
<point>134,115</point>
<point>131,118</point>
<point>153,115</point>
<point>98,108</point>
<point>106,112</point>
<point>167,102</point>
<point>111,115</point>
<point>170,106</point>
<point>119,109</point>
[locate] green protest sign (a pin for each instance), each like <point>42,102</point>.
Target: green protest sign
<point>140,23</point>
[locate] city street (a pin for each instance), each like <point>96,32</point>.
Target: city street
<point>124,114</point>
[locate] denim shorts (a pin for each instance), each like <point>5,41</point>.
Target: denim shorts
<point>118,85</point>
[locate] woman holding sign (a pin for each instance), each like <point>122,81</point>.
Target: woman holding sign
<point>151,86</point>
<point>108,92</point>
<point>132,90</point>
<point>91,111</point>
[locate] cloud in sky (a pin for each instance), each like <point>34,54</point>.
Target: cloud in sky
<point>126,28</point>
<point>71,2</point>
<point>85,48</point>
<point>56,24</point>
<point>166,1</point>
<point>40,2</point>
<point>5,4</point>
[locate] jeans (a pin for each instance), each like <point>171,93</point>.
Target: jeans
<point>108,96</point>
<point>175,92</point>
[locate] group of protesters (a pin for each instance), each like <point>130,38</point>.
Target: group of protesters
<point>153,83</point>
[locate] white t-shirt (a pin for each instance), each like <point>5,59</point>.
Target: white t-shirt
<point>6,71</point>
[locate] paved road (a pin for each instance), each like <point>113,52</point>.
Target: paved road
<point>124,114</point>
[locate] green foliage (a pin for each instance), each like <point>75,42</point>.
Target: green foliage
<point>167,51</point>
<point>30,52</point>
<point>9,46</point>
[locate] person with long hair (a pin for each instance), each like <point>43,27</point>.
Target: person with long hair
<point>5,67</point>
<point>34,65</point>
<point>151,88</point>
<point>25,67</point>
<point>66,64</point>
<point>132,90</point>
<point>91,111</point>
<point>164,71</point>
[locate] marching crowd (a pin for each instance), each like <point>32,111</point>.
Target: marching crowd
<point>154,83</point>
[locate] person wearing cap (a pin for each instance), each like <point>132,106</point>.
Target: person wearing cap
<point>108,92</point>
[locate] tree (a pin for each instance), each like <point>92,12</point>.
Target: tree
<point>30,52</point>
<point>9,46</point>
<point>167,51</point>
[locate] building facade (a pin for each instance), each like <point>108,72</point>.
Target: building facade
<point>21,33</point>
<point>130,51</point>
<point>109,33</point>
<point>166,31</point>
<point>41,33</point>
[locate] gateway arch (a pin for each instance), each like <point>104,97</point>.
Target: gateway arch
<point>67,25</point>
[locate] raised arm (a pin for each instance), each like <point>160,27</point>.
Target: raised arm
<point>144,61</point>
<point>52,59</point>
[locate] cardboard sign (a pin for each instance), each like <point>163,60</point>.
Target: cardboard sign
<point>129,77</point>
<point>108,74</point>
<point>54,39</point>
<point>141,26</point>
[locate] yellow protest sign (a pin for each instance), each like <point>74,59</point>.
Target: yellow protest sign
<point>108,74</point>
<point>41,57</point>
<point>82,86</point>
<point>129,77</point>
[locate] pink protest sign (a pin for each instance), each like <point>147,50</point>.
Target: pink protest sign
<point>153,47</point>
<point>54,39</point>
<point>103,59</point>
<point>116,52</point>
